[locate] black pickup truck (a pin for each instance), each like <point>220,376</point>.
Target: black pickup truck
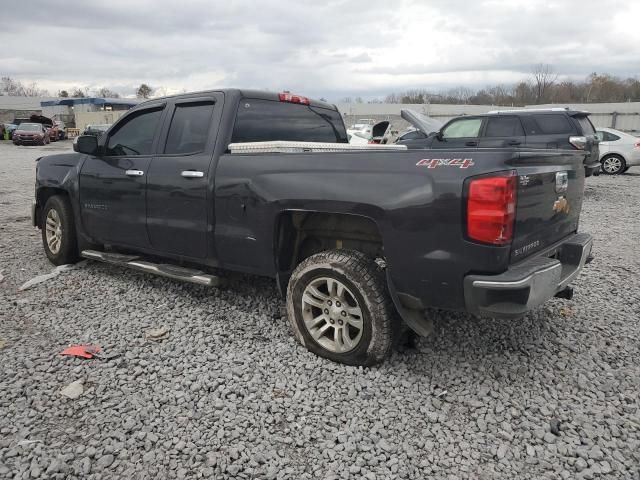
<point>357,240</point>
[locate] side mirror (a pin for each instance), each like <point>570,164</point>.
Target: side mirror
<point>440,136</point>
<point>87,144</point>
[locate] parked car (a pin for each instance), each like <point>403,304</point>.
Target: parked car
<point>62,134</point>
<point>190,185</point>
<point>96,130</point>
<point>30,134</point>
<point>377,134</point>
<point>619,151</point>
<point>10,128</point>
<point>554,128</point>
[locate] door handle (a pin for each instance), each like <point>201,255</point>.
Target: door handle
<point>192,174</point>
<point>471,144</point>
<point>134,173</point>
<point>514,142</point>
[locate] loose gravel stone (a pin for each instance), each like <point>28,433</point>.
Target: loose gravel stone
<point>229,393</point>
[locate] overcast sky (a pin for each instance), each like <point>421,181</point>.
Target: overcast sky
<point>320,48</point>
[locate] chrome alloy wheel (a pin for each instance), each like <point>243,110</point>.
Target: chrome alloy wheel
<point>612,165</point>
<point>53,230</point>
<point>331,315</point>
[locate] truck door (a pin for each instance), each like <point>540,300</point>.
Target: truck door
<point>460,133</point>
<point>180,179</point>
<point>113,185</point>
<point>502,131</point>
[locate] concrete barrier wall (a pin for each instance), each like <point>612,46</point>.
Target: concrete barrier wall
<point>621,116</point>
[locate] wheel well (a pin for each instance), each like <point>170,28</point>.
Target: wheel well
<point>302,234</point>
<point>43,195</point>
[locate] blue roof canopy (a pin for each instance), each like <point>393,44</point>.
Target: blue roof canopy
<point>131,102</point>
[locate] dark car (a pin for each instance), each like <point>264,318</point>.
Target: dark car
<point>355,237</point>
<point>96,130</point>
<point>31,134</point>
<point>554,128</point>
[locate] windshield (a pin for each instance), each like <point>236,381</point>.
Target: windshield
<point>30,127</point>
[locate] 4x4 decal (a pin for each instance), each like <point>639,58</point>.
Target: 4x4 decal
<point>445,162</point>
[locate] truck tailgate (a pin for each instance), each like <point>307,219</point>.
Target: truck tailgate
<point>549,200</point>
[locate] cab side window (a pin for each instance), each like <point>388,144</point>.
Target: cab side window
<point>134,136</point>
<point>500,126</point>
<point>189,128</point>
<point>464,128</point>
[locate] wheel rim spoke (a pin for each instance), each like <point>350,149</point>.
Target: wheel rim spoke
<point>53,231</point>
<point>332,315</point>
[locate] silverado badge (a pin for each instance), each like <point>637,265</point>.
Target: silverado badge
<point>561,205</point>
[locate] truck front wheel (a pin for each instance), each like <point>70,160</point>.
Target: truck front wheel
<point>59,231</point>
<point>339,308</point>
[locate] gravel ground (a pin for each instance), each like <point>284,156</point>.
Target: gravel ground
<point>229,394</point>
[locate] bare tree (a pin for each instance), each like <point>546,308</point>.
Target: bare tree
<point>543,77</point>
<point>9,86</point>
<point>144,91</point>
<point>78,92</point>
<point>106,93</point>
<point>32,90</point>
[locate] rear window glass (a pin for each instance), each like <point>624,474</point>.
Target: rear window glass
<point>266,120</point>
<point>585,125</point>
<point>466,128</point>
<point>503,127</point>
<point>549,124</point>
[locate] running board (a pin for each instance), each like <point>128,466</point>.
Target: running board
<point>161,269</point>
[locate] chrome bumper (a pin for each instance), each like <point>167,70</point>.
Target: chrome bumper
<point>528,284</point>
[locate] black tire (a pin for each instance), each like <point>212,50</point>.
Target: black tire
<point>616,160</point>
<point>626,169</point>
<point>365,283</point>
<point>68,248</point>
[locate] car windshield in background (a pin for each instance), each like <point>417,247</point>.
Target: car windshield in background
<point>267,120</point>
<point>30,127</point>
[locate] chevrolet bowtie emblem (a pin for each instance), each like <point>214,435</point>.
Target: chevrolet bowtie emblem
<point>561,205</point>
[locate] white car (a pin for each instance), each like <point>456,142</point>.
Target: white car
<point>619,151</point>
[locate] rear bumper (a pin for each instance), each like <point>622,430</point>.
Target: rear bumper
<point>529,284</point>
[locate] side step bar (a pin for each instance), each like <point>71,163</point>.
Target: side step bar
<point>162,269</point>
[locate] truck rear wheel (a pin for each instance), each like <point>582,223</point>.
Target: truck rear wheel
<point>59,231</point>
<point>339,308</point>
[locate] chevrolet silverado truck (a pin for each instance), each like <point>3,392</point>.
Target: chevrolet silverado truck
<point>360,240</point>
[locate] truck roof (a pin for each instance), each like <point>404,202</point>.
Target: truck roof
<point>243,93</point>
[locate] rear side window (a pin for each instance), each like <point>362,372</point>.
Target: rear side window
<point>608,137</point>
<point>266,120</point>
<point>134,135</point>
<point>585,125</point>
<point>500,126</point>
<point>189,128</point>
<point>465,128</point>
<point>548,124</point>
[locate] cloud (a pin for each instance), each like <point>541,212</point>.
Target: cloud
<point>331,49</point>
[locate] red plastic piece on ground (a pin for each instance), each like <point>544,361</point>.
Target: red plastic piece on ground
<point>83,351</point>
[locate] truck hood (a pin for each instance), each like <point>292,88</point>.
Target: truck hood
<point>424,123</point>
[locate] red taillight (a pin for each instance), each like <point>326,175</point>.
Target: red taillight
<point>288,97</point>
<point>491,209</point>
<point>637,145</point>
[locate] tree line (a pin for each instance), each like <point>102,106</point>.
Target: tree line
<point>11,87</point>
<point>543,86</point>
